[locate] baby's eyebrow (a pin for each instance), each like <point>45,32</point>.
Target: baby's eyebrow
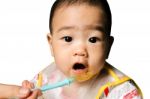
<point>95,27</point>
<point>88,27</point>
<point>65,28</point>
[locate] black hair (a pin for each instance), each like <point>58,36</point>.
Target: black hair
<point>102,4</point>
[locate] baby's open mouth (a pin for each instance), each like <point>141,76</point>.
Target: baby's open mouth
<point>79,66</point>
<point>81,72</point>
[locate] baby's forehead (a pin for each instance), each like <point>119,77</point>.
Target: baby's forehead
<point>80,8</point>
<point>78,16</point>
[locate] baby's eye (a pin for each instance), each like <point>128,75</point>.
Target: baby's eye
<point>67,38</point>
<point>94,39</point>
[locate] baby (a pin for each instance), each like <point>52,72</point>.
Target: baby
<point>80,43</point>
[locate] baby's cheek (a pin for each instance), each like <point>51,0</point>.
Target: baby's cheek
<point>95,69</point>
<point>65,69</point>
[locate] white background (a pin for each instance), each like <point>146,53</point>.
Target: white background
<point>24,50</point>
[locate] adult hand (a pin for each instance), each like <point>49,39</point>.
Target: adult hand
<point>26,93</point>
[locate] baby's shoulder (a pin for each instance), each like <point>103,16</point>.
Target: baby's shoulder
<point>48,74</point>
<point>119,87</point>
<point>114,72</point>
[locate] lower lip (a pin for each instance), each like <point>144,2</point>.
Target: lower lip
<point>79,71</point>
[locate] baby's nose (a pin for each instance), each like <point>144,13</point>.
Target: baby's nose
<point>80,52</point>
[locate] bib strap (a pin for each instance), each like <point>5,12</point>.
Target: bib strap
<point>117,81</point>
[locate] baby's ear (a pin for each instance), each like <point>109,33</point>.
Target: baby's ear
<point>49,39</point>
<point>109,45</point>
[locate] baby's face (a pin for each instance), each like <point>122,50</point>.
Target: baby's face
<point>77,41</point>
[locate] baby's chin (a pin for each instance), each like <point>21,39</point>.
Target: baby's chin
<point>84,76</point>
